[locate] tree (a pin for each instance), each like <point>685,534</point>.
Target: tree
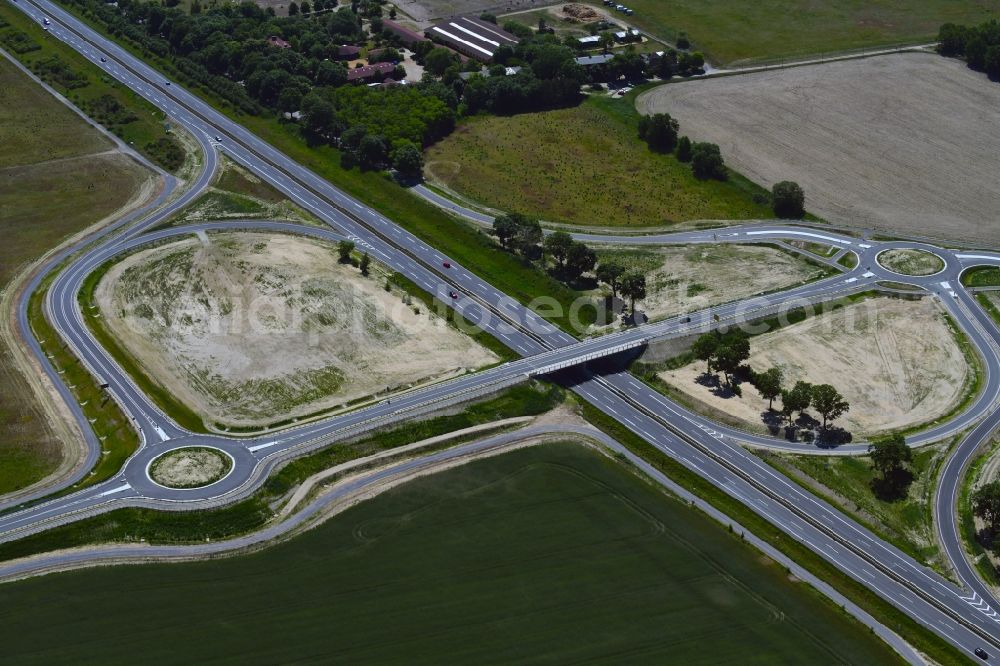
<point>828,402</point>
<point>706,161</point>
<point>659,131</point>
<point>344,249</point>
<point>951,39</point>
<point>633,287</point>
<point>986,504</point>
<point>305,7</point>
<point>992,64</point>
<point>439,60</point>
<point>889,454</point>
<point>293,9</point>
<point>557,245</point>
<point>407,160</point>
<point>606,41</point>
<point>579,260</point>
<point>365,263</point>
<point>796,399</point>
<point>684,149</point>
<point>704,349</point>
<point>788,200</point>
<point>733,349</point>
<point>682,41</point>
<point>371,151</point>
<point>504,228</point>
<point>529,235</point>
<point>769,385</point>
<point>610,273</point>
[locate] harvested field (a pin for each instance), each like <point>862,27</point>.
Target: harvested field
<point>895,361</point>
<point>685,279</point>
<point>903,143</point>
<point>191,467</point>
<point>57,177</point>
<point>246,328</point>
<point>583,165</point>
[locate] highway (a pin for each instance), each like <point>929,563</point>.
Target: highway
<point>700,445</point>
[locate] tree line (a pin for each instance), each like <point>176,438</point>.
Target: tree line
<point>522,235</point>
<point>979,45</point>
<point>661,132</point>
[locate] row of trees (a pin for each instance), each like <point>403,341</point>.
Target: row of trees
<point>523,235</point>
<point>660,132</point>
<point>979,45</point>
<point>728,353</point>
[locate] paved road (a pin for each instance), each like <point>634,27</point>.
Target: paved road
<point>938,604</point>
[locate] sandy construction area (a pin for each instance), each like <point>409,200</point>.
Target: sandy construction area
<point>903,143</point>
<point>694,277</point>
<point>250,328</point>
<point>895,361</point>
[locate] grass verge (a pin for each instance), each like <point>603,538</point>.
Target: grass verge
<point>133,524</point>
<point>119,440</point>
<point>982,276</point>
<point>846,483</point>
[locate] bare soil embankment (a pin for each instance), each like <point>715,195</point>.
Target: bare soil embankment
<point>895,361</point>
<point>246,328</point>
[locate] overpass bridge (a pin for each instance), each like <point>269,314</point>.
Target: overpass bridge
<point>579,359</point>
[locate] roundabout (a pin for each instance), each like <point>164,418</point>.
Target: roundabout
<point>911,262</point>
<point>190,467</point>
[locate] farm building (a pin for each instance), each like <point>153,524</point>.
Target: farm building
<point>379,71</point>
<point>472,37</point>
<point>348,52</point>
<point>406,36</point>
<point>592,60</point>
<point>590,40</point>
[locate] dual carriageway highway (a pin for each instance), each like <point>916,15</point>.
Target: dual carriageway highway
<point>962,615</point>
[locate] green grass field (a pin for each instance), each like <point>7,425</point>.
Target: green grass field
<point>52,185</point>
<point>547,554</point>
<point>744,30</point>
<point>846,480</point>
<point>583,165</point>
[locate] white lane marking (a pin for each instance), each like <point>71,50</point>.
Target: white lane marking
<point>983,257</point>
<point>115,490</point>
<point>253,449</point>
<point>864,245</point>
<point>946,285</point>
<point>868,274</point>
<point>839,241</point>
<point>850,280</point>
